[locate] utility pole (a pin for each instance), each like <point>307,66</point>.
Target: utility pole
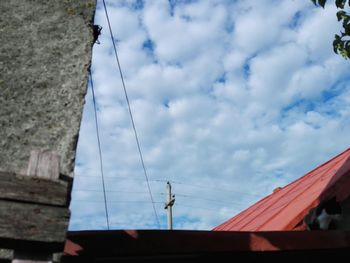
<point>168,205</point>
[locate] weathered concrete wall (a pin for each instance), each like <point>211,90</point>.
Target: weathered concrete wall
<point>45,52</point>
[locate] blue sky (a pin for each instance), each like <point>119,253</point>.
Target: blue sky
<point>231,99</point>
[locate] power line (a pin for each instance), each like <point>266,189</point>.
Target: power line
<point>99,150</point>
<point>142,192</point>
<point>174,182</point>
<point>130,112</point>
<point>198,208</point>
<point>208,199</point>
<point>121,177</point>
<point>213,188</point>
<point>115,191</point>
<point>142,202</point>
<point>114,201</point>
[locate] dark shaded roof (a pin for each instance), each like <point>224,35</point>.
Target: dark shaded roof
<point>285,208</point>
<point>196,246</point>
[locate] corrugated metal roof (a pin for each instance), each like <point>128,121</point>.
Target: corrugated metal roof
<point>285,208</point>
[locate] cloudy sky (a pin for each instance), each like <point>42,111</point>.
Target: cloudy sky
<point>231,99</point>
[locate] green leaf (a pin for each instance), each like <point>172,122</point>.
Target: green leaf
<point>335,47</point>
<point>340,15</point>
<point>347,29</point>
<point>340,3</point>
<point>343,49</point>
<point>346,20</point>
<point>322,2</point>
<point>348,50</point>
<point>341,44</point>
<point>344,53</point>
<point>336,44</point>
<point>347,45</point>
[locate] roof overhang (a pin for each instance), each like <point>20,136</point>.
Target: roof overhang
<point>137,244</point>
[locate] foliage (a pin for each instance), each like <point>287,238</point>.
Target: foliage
<point>341,43</point>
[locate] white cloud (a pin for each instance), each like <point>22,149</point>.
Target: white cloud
<point>180,37</point>
<point>230,100</point>
<point>259,24</point>
<point>271,73</point>
<point>317,30</point>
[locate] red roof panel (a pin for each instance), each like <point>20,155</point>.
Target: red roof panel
<point>285,208</point>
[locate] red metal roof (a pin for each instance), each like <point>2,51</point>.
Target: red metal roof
<point>285,209</point>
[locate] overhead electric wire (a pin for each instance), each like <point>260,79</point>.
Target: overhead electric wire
<point>122,177</point>
<point>115,201</point>
<point>213,188</point>
<point>99,150</point>
<point>208,199</point>
<point>173,182</point>
<point>190,196</point>
<point>130,112</point>
<point>198,208</point>
<point>115,191</point>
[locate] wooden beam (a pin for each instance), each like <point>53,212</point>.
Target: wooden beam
<point>34,247</point>
<point>25,257</point>
<point>33,222</point>
<point>34,189</point>
<point>6,254</point>
<point>34,209</point>
<point>30,261</point>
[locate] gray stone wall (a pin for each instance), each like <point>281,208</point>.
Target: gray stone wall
<point>45,52</point>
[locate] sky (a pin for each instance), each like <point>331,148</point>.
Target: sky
<point>231,99</point>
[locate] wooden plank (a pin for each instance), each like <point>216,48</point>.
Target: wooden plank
<point>30,257</point>
<point>34,219</point>
<point>34,189</point>
<point>35,247</point>
<point>6,254</point>
<point>44,164</point>
<point>32,222</point>
<point>30,261</point>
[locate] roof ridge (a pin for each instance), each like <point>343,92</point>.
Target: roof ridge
<point>323,169</point>
<point>296,184</point>
<point>304,190</point>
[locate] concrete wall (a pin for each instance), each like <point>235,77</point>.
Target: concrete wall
<point>45,52</point>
